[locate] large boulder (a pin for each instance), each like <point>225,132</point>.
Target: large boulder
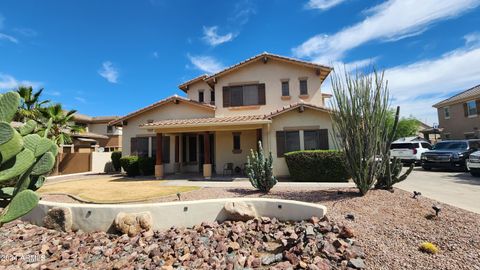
<point>58,218</point>
<point>133,223</point>
<point>240,211</point>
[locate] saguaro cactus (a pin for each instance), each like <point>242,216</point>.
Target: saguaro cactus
<point>392,168</point>
<point>260,170</point>
<point>25,158</point>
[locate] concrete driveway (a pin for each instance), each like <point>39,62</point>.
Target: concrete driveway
<point>455,188</point>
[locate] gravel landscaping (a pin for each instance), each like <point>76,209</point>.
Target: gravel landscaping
<point>388,229</point>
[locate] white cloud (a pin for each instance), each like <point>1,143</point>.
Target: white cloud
<point>8,82</point>
<point>53,93</point>
<point>472,39</point>
<point>8,37</point>
<point>80,99</point>
<point>242,12</point>
<point>205,63</point>
<point>322,4</point>
<point>392,20</point>
<point>109,72</point>
<point>212,38</point>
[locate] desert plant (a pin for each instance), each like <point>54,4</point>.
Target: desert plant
<point>130,165</point>
<point>428,247</point>
<point>30,104</point>
<point>360,111</point>
<point>146,165</point>
<point>260,169</point>
<point>25,159</point>
<point>317,166</point>
<point>116,156</point>
<point>391,169</point>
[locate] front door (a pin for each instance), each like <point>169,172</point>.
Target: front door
<point>201,149</point>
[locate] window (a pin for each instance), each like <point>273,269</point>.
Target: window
<point>426,146</point>
<point>244,95</point>
<point>303,87</point>
<point>109,129</point>
<point>212,97</point>
<point>236,143</point>
<point>165,148</point>
<point>287,141</point>
<point>139,146</point>
<point>201,97</point>
<point>285,89</point>
<point>446,111</point>
<point>470,108</point>
<point>315,139</point>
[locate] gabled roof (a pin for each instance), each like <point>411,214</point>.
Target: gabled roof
<point>159,103</point>
<point>323,71</point>
<point>297,105</point>
<point>195,122</point>
<point>83,118</point>
<point>471,93</point>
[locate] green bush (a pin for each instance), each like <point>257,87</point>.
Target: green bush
<point>146,165</point>
<point>116,156</point>
<point>130,165</point>
<point>317,166</point>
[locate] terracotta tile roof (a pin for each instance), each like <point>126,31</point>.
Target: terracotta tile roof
<point>296,105</point>
<point>324,70</point>
<point>208,121</point>
<point>90,135</point>
<point>185,85</point>
<point>83,118</point>
<point>471,93</point>
<point>160,103</point>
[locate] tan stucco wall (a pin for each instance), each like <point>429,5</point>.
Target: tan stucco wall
<point>272,73</point>
<point>458,124</point>
<point>293,120</point>
<point>224,148</point>
<point>195,88</point>
<point>182,110</point>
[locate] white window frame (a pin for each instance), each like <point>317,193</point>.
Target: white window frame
<point>468,109</point>
<point>445,110</point>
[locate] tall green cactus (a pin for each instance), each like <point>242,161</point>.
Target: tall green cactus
<point>260,170</point>
<point>25,158</point>
<point>391,168</point>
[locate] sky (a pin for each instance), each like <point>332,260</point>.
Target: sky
<point>112,57</point>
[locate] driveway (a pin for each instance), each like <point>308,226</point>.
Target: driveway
<point>455,188</point>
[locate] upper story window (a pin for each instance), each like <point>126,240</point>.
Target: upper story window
<point>303,87</point>
<point>244,95</point>
<point>109,129</point>
<point>285,88</point>
<point>201,96</point>
<point>212,97</point>
<point>446,111</point>
<point>470,108</point>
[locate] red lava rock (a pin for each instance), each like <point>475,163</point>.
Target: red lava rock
<point>346,232</point>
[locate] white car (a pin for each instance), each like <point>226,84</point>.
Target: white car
<point>473,163</point>
<point>409,150</point>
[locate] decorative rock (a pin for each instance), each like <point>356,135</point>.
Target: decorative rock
<point>133,224</point>
<point>346,232</point>
<point>58,218</point>
<point>356,263</point>
<point>240,211</point>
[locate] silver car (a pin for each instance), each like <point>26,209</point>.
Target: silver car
<point>473,164</point>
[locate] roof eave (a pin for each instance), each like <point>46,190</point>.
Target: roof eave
<point>237,123</point>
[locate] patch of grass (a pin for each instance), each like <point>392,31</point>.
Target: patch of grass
<point>114,190</point>
<point>428,247</point>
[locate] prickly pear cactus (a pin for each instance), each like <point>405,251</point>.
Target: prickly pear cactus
<point>25,158</point>
<point>260,170</point>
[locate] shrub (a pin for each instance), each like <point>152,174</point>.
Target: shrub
<point>317,166</point>
<point>260,170</point>
<point>108,168</point>
<point>130,165</point>
<point>146,165</point>
<point>428,247</point>
<point>116,156</point>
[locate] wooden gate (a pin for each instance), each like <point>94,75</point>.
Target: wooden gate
<point>74,163</point>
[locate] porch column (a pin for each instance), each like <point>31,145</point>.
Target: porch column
<point>177,153</point>
<point>207,166</point>
<point>259,137</point>
<point>159,157</point>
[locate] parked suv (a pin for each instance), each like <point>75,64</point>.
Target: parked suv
<point>449,154</point>
<point>473,163</point>
<point>410,149</point>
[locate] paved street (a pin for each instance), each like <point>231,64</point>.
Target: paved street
<point>456,188</point>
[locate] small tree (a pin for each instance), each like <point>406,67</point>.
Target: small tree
<point>360,122</point>
<point>260,170</point>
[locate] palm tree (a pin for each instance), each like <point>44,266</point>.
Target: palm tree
<point>30,105</point>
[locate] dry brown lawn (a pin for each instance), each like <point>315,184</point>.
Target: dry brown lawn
<point>114,190</point>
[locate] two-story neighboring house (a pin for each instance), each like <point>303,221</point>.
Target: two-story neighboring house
<point>268,98</point>
<point>97,134</point>
<point>459,115</point>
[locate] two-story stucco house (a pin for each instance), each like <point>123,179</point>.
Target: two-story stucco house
<point>97,134</point>
<point>268,98</point>
<point>459,116</point>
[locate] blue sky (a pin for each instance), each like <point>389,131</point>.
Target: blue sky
<point>112,57</point>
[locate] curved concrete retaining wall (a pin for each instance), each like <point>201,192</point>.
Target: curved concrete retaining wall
<point>100,217</point>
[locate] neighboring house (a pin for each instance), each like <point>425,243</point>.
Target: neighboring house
<point>459,115</point>
<point>429,133</point>
<point>268,98</point>
<point>97,135</point>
